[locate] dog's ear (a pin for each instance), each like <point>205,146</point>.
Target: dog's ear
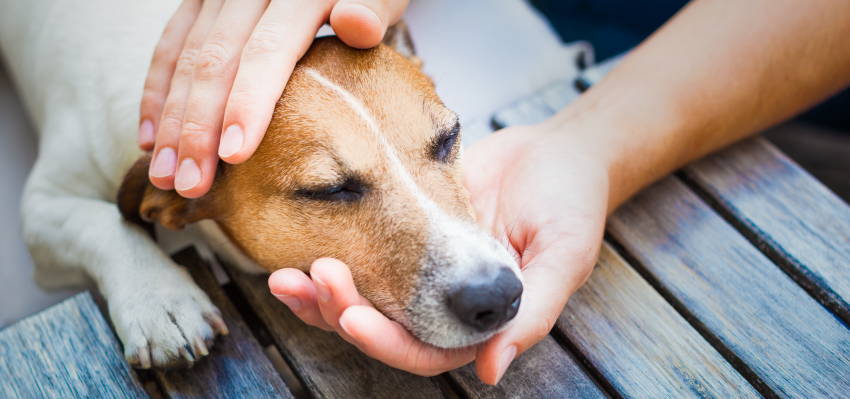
<point>398,38</point>
<point>140,202</point>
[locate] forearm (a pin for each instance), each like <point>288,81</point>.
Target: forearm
<point>717,72</point>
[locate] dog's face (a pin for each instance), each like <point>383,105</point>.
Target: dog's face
<point>361,162</point>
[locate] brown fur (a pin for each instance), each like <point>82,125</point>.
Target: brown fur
<point>313,140</point>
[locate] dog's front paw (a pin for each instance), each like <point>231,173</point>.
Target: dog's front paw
<point>165,322</point>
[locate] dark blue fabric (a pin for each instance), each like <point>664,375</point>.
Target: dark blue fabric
<point>615,26</point>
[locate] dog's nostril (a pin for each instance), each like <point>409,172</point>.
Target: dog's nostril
<point>485,317</point>
<point>487,303</point>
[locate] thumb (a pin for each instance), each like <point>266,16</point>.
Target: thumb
<point>550,279</point>
<point>362,23</point>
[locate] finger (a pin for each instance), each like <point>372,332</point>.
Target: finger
<point>281,37</point>
<point>213,75</point>
<point>363,23</point>
<point>296,290</point>
<point>334,288</point>
<point>162,67</point>
<point>164,162</point>
<point>550,280</point>
<point>387,341</point>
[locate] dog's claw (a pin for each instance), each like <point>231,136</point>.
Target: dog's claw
<point>200,348</point>
<point>144,357</point>
<point>218,324</point>
<point>187,354</point>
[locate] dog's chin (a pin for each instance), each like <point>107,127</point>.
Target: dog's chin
<point>457,339</point>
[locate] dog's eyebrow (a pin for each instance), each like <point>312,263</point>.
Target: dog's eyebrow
<point>448,128</point>
<point>443,119</point>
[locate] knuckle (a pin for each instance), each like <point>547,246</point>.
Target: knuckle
<point>171,120</point>
<point>265,39</point>
<point>186,61</point>
<point>212,60</point>
<point>153,86</point>
<point>541,329</point>
<point>240,98</point>
<point>161,53</point>
<point>194,128</point>
<point>152,97</point>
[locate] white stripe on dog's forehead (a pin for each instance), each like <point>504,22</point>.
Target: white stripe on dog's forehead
<point>360,109</point>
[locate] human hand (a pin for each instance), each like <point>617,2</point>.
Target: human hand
<point>220,67</point>
<point>543,192</point>
<point>328,299</point>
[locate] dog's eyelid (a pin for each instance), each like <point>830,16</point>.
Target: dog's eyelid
<point>442,147</point>
<point>349,189</point>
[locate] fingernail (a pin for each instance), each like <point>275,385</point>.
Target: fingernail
<point>505,360</point>
<point>164,164</point>
<point>231,141</point>
<point>146,132</point>
<point>188,175</point>
<point>322,290</point>
<point>293,302</point>
<point>343,323</point>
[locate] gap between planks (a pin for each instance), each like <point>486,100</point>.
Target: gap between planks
<point>811,284</point>
<point>740,366</point>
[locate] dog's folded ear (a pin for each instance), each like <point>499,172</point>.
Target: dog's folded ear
<point>398,38</point>
<point>140,202</point>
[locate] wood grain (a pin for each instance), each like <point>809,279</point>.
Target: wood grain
<point>329,366</point>
<point>544,371</point>
<point>638,342</point>
<point>782,339</point>
<point>793,217</point>
<point>237,366</point>
<point>66,351</point>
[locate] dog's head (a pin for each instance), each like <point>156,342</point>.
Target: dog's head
<point>361,162</point>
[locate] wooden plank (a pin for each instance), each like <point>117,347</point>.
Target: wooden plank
<point>779,336</point>
<point>66,351</point>
<point>237,366</point>
<point>638,342</point>
<point>544,371</point>
<point>797,221</point>
<point>329,366</point>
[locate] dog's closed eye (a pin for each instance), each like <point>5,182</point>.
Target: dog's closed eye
<point>442,148</point>
<point>350,190</point>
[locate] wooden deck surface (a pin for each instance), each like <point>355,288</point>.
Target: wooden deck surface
<point>728,279</point>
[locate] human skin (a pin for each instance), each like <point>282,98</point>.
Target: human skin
<point>717,72</point>
<point>220,67</point>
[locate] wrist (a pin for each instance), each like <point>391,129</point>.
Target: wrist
<point>633,145</point>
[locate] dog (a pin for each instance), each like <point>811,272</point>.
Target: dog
<point>361,162</point>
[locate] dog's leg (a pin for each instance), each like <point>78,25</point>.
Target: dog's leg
<point>162,317</point>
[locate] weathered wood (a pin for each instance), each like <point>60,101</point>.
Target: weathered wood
<point>237,366</point>
<point>781,338</point>
<point>798,222</point>
<point>637,341</point>
<point>544,371</point>
<point>329,366</point>
<point>66,351</point>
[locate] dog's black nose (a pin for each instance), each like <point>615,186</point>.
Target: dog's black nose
<point>487,303</point>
